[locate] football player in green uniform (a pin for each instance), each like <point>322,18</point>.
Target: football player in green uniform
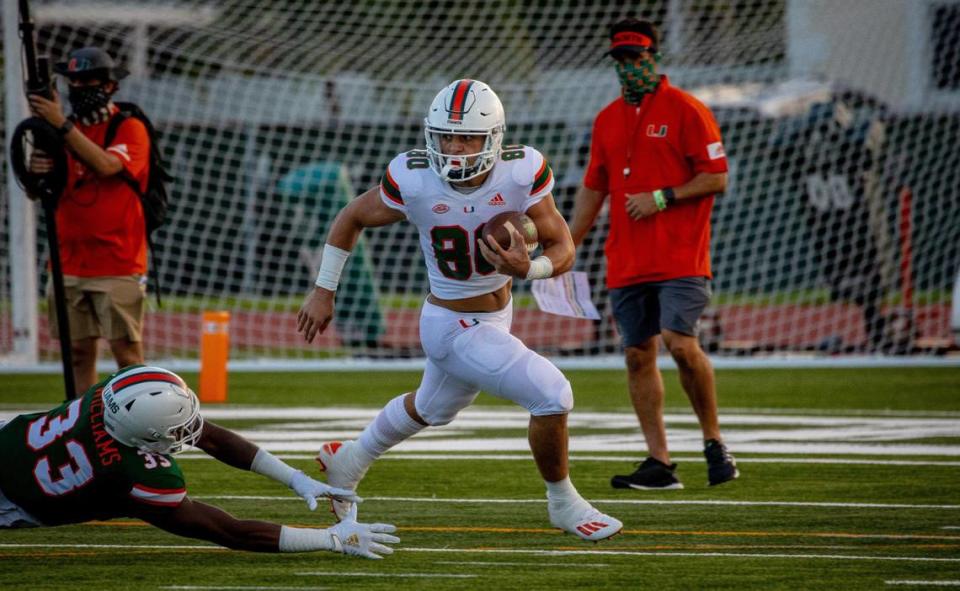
<point>108,454</point>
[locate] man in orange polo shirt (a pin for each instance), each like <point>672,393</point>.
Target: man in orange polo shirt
<point>657,152</point>
<point>100,221</point>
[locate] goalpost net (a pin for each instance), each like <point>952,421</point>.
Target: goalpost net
<point>839,232</point>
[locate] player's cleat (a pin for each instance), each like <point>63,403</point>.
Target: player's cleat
<point>721,466</point>
<point>651,474</point>
<point>583,520</point>
<point>336,458</point>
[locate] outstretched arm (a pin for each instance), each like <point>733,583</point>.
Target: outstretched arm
<point>234,450</point>
<point>366,211</point>
<point>198,520</point>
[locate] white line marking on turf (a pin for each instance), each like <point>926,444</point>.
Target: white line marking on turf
<point>620,459</point>
<point>668,554</point>
<point>951,527</point>
<point>533,564</point>
<point>517,552</point>
<point>495,431</point>
<point>113,546</point>
<point>925,583</point>
<point>610,501</point>
<point>244,588</point>
<point>388,575</point>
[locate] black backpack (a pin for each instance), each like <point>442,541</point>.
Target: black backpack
<point>155,201</point>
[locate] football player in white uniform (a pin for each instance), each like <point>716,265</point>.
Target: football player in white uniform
<point>463,178</point>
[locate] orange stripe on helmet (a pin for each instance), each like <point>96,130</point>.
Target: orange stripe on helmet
<point>148,377</point>
<point>459,100</point>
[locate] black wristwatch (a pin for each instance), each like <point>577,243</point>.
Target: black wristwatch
<point>668,196</point>
<point>65,128</point>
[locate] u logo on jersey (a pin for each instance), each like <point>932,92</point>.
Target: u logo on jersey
<point>652,131</point>
<point>469,209</point>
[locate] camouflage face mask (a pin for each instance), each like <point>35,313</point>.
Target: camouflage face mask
<point>637,80</point>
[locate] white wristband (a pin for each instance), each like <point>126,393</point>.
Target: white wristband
<point>540,268</point>
<point>271,466</point>
<point>301,539</point>
<point>331,265</point>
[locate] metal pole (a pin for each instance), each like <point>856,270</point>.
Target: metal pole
<point>22,222</point>
<point>59,296</point>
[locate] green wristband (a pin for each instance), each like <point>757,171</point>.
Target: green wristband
<point>659,199</point>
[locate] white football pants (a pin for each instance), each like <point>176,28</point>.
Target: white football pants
<point>469,352</point>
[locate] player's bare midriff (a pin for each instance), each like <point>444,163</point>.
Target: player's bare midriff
<point>488,302</point>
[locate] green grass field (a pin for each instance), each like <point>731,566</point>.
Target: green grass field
<point>850,480</point>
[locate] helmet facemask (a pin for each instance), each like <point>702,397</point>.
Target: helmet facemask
<point>462,167</point>
<point>176,437</point>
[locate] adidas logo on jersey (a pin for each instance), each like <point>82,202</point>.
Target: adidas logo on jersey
<point>497,200</point>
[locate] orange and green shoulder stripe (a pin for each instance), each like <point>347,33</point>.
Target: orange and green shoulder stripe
<point>542,179</point>
<point>390,188</point>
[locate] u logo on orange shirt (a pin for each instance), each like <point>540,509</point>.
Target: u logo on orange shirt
<point>652,131</point>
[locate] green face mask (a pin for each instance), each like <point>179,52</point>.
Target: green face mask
<point>637,80</point>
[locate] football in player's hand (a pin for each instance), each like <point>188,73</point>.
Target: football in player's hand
<point>502,225</point>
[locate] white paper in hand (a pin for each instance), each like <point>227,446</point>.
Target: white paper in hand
<point>566,295</point>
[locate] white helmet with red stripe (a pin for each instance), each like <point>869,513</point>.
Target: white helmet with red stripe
<point>465,107</point>
<point>152,409</point>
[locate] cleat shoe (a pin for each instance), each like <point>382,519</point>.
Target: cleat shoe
<point>335,458</point>
<point>651,474</point>
<point>721,466</point>
<point>582,520</point>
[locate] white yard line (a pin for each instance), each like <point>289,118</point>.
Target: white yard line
<point>530,564</point>
<point>114,546</point>
<point>241,588</point>
<point>607,501</point>
<point>515,552</point>
<point>526,457</point>
<point>687,554</point>
<point>486,432</point>
<point>388,575</point>
<point>925,583</point>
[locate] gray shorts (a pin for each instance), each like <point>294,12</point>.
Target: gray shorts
<point>642,310</point>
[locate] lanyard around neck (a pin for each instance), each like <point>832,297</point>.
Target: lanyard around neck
<point>639,111</point>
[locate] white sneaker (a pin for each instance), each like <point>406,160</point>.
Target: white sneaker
<point>581,519</point>
<point>343,471</point>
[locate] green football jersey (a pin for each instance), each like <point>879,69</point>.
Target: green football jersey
<point>63,467</point>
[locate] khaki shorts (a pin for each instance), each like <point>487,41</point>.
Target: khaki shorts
<point>108,307</point>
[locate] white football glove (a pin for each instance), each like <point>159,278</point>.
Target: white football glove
<point>362,539</point>
<point>311,489</point>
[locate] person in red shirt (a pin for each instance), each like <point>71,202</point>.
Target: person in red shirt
<point>100,221</point>
<point>657,152</point>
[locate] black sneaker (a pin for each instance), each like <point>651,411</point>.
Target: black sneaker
<point>721,466</point>
<point>652,474</point>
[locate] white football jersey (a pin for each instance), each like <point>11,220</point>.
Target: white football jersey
<point>450,222</point>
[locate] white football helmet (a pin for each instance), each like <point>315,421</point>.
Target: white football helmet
<point>465,107</point>
<point>151,409</point>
